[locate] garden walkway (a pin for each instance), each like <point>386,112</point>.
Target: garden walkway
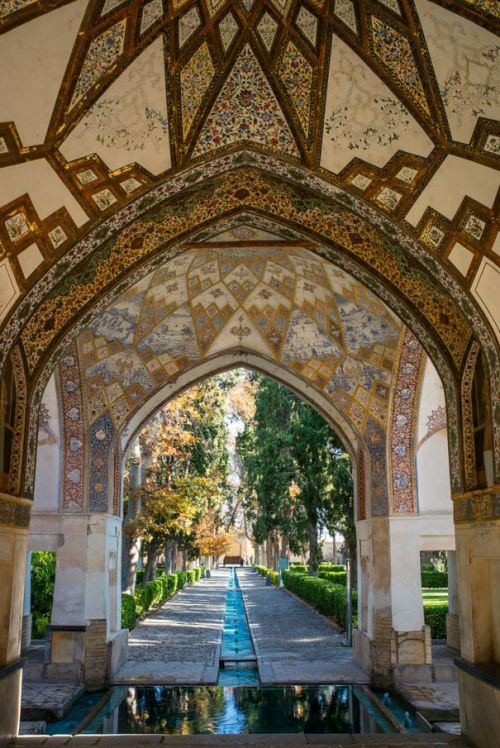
<point>293,643</point>
<point>180,642</point>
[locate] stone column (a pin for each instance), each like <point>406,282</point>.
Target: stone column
<point>411,640</point>
<point>26,635</point>
<point>392,640</point>
<point>372,639</point>
<point>14,520</point>
<point>452,619</point>
<point>477,531</point>
<point>85,640</point>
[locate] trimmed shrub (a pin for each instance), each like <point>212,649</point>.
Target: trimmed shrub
<point>273,576</point>
<point>427,567</point>
<point>264,572</point>
<point>169,583</point>
<point>330,599</point>
<point>153,593</point>
<point>331,567</point>
<point>298,568</point>
<point>139,576</point>
<point>336,577</point>
<point>203,570</point>
<point>181,579</point>
<point>197,572</point>
<point>434,578</point>
<point>435,617</point>
<point>191,576</point>
<point>128,611</point>
<point>139,602</point>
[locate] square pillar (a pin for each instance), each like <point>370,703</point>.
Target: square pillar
<point>14,519</point>
<point>86,642</point>
<point>477,528</point>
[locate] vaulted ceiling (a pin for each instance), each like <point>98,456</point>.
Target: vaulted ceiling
<point>397,101</point>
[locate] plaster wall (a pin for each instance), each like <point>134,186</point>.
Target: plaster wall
<point>48,456</point>
<point>432,458</point>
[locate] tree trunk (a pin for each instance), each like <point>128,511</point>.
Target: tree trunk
<point>131,548</point>
<point>184,559</point>
<point>285,545</point>
<point>150,571</point>
<point>169,561</point>
<point>313,549</point>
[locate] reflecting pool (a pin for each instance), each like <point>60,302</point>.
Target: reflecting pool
<point>183,710</point>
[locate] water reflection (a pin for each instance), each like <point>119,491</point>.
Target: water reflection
<point>236,710</point>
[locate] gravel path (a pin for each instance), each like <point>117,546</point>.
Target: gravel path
<point>293,643</point>
<point>180,642</point>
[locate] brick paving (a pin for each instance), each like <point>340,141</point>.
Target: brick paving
<point>293,643</point>
<point>180,642</point>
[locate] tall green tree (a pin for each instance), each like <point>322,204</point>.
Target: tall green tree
<point>296,476</point>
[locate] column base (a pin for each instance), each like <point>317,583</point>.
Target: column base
<point>479,691</point>
<point>394,656</point>
<point>373,657</point>
<point>10,698</point>
<point>83,654</point>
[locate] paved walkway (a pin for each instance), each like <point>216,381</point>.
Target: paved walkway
<point>180,642</point>
<point>293,643</point>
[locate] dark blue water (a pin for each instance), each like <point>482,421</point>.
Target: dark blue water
<point>238,710</point>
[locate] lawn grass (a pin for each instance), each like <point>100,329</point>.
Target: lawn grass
<point>434,595</point>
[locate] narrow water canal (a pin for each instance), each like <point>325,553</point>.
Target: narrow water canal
<point>238,663</point>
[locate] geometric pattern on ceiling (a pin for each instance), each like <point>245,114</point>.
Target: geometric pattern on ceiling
<point>283,303</point>
<point>255,73</point>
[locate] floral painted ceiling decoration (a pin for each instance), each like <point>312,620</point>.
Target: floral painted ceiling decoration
<point>286,304</point>
<point>395,102</point>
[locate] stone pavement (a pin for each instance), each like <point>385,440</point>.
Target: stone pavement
<point>180,642</point>
<point>428,740</point>
<point>434,701</point>
<point>41,700</point>
<point>293,643</point>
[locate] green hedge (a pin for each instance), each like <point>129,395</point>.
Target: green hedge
<point>434,578</point>
<point>191,576</point>
<point>139,576</point>
<point>170,584</point>
<point>330,599</point>
<point>298,568</point>
<point>43,574</point>
<point>181,579</point>
<point>336,577</point>
<point>153,593</point>
<point>331,567</point>
<point>264,572</point>
<point>128,611</point>
<point>435,617</point>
